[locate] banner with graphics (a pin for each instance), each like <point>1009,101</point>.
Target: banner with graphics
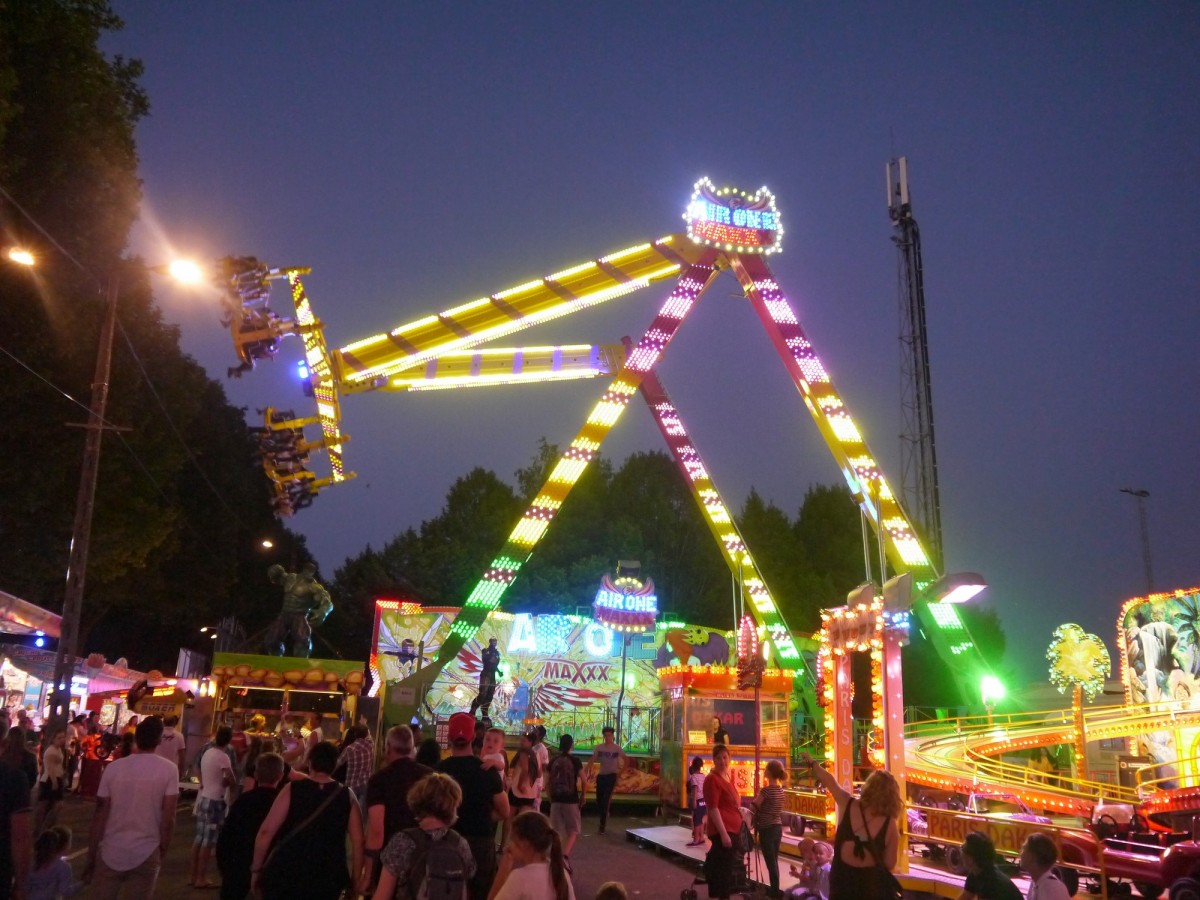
<point>556,670</point>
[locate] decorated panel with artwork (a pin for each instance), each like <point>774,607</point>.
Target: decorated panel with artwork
<point>1158,638</point>
<point>555,670</point>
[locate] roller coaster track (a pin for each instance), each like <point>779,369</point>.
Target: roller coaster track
<point>962,755</point>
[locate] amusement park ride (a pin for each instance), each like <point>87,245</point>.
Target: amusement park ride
<point>727,230</point>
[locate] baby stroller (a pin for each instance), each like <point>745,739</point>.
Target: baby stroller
<point>743,886</point>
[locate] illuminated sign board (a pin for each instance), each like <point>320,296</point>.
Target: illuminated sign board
<point>626,603</point>
<point>731,219</point>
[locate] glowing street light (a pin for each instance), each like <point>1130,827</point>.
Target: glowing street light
<point>991,690</point>
<point>185,271</point>
<point>21,256</point>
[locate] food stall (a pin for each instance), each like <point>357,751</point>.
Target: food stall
<point>694,698</point>
<point>270,695</point>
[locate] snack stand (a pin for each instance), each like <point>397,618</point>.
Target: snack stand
<point>693,696</point>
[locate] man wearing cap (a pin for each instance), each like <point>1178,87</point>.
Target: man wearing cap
<point>610,759</point>
<point>484,802</point>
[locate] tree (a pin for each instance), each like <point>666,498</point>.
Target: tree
<point>829,527</point>
<point>782,559</point>
<point>181,500</point>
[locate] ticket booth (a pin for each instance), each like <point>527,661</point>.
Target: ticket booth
<point>694,698</point>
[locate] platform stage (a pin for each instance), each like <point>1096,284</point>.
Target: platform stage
<point>921,881</point>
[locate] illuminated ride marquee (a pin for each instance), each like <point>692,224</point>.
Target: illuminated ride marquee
<point>625,603</point>
<point>733,220</point>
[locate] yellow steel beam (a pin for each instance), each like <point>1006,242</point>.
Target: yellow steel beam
<point>370,364</point>
<point>508,365</point>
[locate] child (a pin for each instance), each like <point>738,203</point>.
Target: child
<point>51,875</point>
<point>533,864</point>
<point>493,754</point>
<point>434,801</point>
<point>494,757</point>
<point>695,797</point>
<point>814,875</point>
<point>768,809</point>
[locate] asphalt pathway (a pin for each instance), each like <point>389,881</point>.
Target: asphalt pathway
<point>597,858</point>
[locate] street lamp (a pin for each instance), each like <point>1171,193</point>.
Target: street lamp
<point>1141,495</point>
<point>21,256</point>
<point>991,690</point>
<point>81,529</point>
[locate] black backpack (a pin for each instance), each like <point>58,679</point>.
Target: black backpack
<point>437,867</point>
<point>563,782</point>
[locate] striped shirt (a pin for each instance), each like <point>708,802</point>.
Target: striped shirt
<point>769,805</point>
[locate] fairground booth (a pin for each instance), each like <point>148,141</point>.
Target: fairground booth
<point>564,672</point>
<point>268,694</point>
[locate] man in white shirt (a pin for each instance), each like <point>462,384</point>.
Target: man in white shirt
<point>1038,857</point>
<point>134,819</point>
<point>172,746</point>
<point>216,777</point>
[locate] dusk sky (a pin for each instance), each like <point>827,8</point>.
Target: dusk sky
<point>418,156</point>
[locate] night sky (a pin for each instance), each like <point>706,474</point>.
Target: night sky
<point>418,156</point>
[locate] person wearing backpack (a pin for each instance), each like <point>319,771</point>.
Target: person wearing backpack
<point>566,796</point>
<point>430,861</point>
<point>484,802</point>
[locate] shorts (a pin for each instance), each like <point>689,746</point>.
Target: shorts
<point>520,802</point>
<point>698,815</point>
<point>210,816</point>
<point>566,818</point>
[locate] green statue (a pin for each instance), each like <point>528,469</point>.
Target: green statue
<point>306,604</point>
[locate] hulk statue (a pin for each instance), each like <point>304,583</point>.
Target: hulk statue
<point>306,604</point>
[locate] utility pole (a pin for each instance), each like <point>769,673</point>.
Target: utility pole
<point>81,530</point>
<point>1141,496</point>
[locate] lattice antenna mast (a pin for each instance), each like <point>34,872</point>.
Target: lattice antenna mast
<point>919,475</point>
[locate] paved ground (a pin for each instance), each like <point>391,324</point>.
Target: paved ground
<point>597,858</point>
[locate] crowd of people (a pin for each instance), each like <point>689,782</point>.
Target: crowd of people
<point>859,863</point>
<point>462,821</point>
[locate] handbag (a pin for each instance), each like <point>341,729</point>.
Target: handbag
<point>889,885</point>
<point>312,817</point>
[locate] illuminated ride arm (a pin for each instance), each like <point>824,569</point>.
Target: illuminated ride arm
<point>761,604</point>
<point>866,481</point>
<point>571,465</point>
<point>507,365</point>
<point>369,364</point>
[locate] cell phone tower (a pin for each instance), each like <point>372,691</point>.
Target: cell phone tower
<point>918,452</point>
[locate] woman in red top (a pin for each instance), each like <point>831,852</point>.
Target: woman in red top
<point>723,824</point>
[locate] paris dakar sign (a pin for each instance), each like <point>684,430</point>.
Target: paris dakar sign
<point>1007,834</point>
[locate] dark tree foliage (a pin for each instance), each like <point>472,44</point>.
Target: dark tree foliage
<point>641,510</point>
<point>181,503</point>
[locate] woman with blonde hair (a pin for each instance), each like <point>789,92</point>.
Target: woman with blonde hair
<point>867,840</point>
<point>532,867</point>
<point>434,802</point>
